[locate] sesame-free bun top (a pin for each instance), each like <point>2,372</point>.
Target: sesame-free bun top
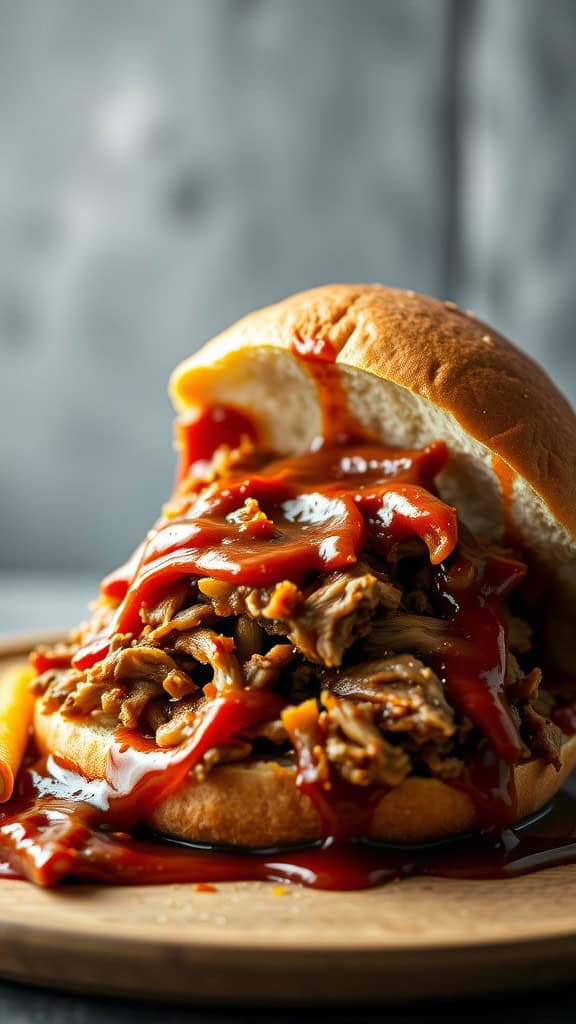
<point>414,369</point>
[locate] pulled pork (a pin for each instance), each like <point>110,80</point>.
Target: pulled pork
<point>348,651</point>
<point>404,696</point>
<point>358,748</point>
<point>330,618</point>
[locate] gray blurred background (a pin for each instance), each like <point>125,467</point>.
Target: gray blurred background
<point>168,165</point>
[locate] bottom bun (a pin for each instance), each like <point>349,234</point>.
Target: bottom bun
<point>257,803</point>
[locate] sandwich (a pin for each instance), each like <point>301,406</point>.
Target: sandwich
<point>353,618</point>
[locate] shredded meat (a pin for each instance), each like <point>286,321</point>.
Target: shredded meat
<point>262,670</point>
<point>406,695</point>
<point>283,604</point>
<point>144,669</point>
<point>272,732</point>
<point>544,737</point>
<point>440,762</point>
<point>322,624</point>
<point>302,682</point>
<point>405,632</point>
<point>229,599</point>
<point>357,747</point>
<point>304,727</point>
<point>224,461</point>
<point>417,601</point>
<point>55,686</point>
<point>334,646</point>
<point>251,517</point>
<point>163,612</point>
<point>249,637</point>
<point>103,610</point>
<point>188,618</point>
<point>523,687</point>
<point>143,663</point>
<point>336,613</point>
<point>210,648</point>
<point>227,753</point>
<point>133,706</point>
<point>181,724</point>
<point>86,697</point>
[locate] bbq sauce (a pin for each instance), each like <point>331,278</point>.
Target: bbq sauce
<point>506,478</point>
<point>317,512</point>
<point>312,514</point>
<point>197,439</point>
<point>338,424</point>
<point>48,834</point>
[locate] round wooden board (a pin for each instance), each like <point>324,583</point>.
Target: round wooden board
<point>254,942</point>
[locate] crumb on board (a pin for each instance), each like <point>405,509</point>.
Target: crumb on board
<point>279,890</point>
<point>205,887</point>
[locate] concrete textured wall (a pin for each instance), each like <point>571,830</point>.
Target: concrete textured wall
<point>167,166</point>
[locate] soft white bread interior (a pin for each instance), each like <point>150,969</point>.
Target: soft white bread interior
<point>257,804</point>
<point>414,369</point>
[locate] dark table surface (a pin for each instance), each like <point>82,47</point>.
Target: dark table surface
<point>26,601</point>
<point>19,1005</point>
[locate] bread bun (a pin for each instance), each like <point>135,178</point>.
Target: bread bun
<point>258,804</point>
<point>413,370</point>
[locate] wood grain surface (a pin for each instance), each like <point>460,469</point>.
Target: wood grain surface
<point>258,942</point>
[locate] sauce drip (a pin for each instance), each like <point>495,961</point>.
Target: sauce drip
<point>314,349</point>
<point>197,439</point>
<point>309,513</point>
<point>291,516</point>
<point>47,835</point>
<point>139,774</point>
<point>506,478</point>
<point>469,590</point>
<point>339,425</point>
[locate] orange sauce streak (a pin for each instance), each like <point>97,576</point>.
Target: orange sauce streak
<point>506,477</point>
<point>338,422</point>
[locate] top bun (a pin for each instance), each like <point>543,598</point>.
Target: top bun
<point>414,369</point>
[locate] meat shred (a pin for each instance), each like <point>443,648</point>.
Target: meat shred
<point>347,650</point>
<point>406,696</point>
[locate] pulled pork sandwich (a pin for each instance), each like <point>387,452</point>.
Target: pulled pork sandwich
<point>353,617</point>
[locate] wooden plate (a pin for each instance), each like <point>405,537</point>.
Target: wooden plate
<point>255,942</point>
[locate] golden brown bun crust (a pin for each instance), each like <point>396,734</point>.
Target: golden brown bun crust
<point>257,804</point>
<point>499,396</point>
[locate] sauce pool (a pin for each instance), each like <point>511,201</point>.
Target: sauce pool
<point>47,836</point>
<point>320,509</point>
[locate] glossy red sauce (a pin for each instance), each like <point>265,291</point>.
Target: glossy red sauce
<point>506,477</point>
<point>49,833</point>
<point>473,663</point>
<point>197,439</point>
<point>338,423</point>
<point>140,774</point>
<point>319,511</point>
<point>314,349</point>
